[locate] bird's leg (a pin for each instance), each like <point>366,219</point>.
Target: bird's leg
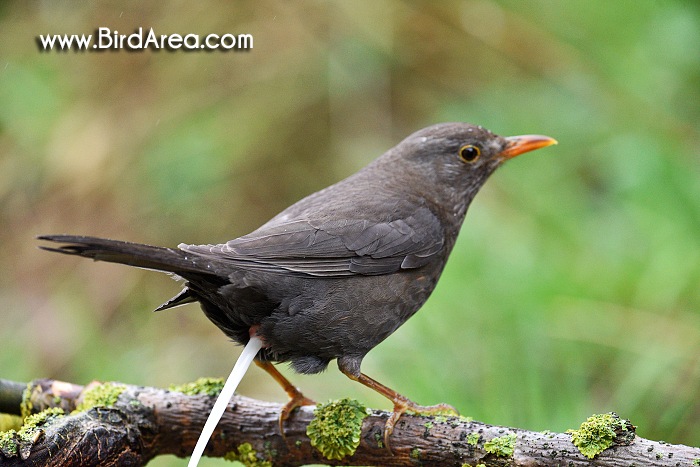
<point>296,398</point>
<point>401,403</point>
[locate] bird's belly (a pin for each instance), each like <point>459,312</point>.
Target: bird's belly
<point>333,317</point>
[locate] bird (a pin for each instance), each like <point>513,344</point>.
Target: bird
<point>337,272</point>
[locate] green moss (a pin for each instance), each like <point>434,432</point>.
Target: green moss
<point>29,432</point>
<point>599,432</point>
<point>473,439</point>
<point>456,421</point>
<point>269,451</point>
<point>502,446</point>
<point>26,405</point>
<point>428,425</point>
<point>415,454</point>
<point>10,422</point>
<point>696,462</point>
<point>380,441</point>
<point>102,395</point>
<point>336,427</point>
<point>8,443</point>
<point>208,386</point>
<point>41,418</point>
<point>247,456</point>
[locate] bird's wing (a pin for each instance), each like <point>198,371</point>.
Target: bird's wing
<point>335,247</point>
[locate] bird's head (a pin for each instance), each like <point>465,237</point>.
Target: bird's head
<point>453,160</point>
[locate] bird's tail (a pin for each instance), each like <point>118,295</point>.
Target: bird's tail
<point>132,254</point>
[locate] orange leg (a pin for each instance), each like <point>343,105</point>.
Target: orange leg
<point>296,398</point>
<point>401,403</point>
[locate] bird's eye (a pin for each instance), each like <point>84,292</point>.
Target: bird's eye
<point>469,153</point>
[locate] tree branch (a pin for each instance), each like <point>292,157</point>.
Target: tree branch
<point>145,422</point>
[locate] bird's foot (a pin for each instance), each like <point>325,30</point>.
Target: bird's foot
<point>403,404</point>
<point>296,399</point>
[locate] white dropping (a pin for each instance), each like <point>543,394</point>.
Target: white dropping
<point>239,369</point>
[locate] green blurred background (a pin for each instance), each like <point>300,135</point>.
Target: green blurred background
<point>575,285</point>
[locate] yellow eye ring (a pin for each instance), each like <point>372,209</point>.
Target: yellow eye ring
<point>469,153</point>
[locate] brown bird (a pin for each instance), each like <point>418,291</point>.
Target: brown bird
<point>336,273</point>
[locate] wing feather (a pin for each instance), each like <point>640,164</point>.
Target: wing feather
<point>335,247</point>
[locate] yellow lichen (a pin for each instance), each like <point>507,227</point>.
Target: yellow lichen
<point>599,432</point>
<point>502,446</point>
<point>208,386</point>
<point>473,439</point>
<point>247,456</point>
<point>101,395</point>
<point>26,405</point>
<point>29,432</point>
<point>336,427</point>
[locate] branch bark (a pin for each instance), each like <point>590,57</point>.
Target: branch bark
<point>145,422</point>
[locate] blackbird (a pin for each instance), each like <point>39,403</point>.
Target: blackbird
<point>336,273</point>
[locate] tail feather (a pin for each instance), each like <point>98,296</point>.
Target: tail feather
<point>183,298</point>
<point>133,254</point>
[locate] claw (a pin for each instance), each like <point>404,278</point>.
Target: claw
<point>401,403</point>
<point>296,398</point>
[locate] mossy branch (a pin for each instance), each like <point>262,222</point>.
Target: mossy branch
<point>122,424</point>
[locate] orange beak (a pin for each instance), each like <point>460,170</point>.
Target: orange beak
<point>525,143</point>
